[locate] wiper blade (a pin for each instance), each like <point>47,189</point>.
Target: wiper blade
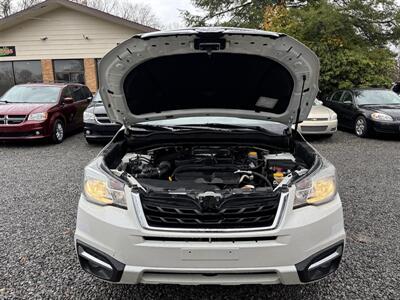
<point>227,127</point>
<point>4,101</point>
<point>149,127</point>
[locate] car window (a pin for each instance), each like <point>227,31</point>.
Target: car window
<point>86,92</point>
<point>32,94</point>
<point>336,96</point>
<point>377,97</point>
<point>66,93</point>
<point>347,98</point>
<point>77,92</point>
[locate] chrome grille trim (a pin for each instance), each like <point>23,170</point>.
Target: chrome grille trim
<point>143,222</point>
<point>103,119</point>
<point>12,119</point>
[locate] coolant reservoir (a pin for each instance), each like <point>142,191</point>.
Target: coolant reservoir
<point>278,177</point>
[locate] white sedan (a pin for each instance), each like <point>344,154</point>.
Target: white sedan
<point>321,120</point>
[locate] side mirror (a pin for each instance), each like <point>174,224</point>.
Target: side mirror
<point>89,99</point>
<point>68,100</point>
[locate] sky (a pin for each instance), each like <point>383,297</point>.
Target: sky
<point>168,11</point>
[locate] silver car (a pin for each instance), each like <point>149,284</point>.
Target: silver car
<point>321,120</point>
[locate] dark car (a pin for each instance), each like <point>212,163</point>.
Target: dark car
<point>367,110</point>
<point>98,127</point>
<point>38,111</point>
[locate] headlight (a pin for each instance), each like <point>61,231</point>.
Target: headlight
<point>103,189</point>
<point>317,188</point>
<point>38,117</point>
<point>381,117</point>
<point>87,116</point>
<point>334,117</point>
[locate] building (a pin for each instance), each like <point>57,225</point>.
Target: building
<point>59,41</point>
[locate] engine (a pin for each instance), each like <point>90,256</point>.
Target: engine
<point>218,167</point>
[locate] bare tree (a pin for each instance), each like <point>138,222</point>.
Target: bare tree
<point>5,8</point>
<point>24,4</point>
<point>138,12</point>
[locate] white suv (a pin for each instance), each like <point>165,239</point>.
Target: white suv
<point>207,183</point>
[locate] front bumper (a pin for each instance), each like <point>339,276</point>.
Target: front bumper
<point>100,132</point>
<point>27,130</point>
<point>385,127</point>
<point>318,127</point>
<point>257,257</point>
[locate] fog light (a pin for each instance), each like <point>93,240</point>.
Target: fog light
<point>320,264</point>
<point>37,132</point>
<point>88,132</point>
<point>99,264</point>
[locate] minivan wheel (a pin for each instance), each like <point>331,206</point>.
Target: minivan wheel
<point>58,132</point>
<point>361,127</point>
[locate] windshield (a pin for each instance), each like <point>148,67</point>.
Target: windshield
<point>380,97</point>
<point>32,94</point>
<point>97,98</point>
<point>274,127</point>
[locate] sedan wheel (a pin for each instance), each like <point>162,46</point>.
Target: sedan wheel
<point>361,127</point>
<point>58,132</point>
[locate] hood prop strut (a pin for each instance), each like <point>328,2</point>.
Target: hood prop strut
<point>300,102</point>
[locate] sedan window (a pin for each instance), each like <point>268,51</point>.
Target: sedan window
<point>336,96</point>
<point>377,97</point>
<point>347,98</point>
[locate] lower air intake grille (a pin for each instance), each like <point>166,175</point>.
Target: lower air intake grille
<point>233,212</point>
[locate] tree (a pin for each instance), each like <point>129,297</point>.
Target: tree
<point>242,13</point>
<point>5,8</point>
<point>350,56</point>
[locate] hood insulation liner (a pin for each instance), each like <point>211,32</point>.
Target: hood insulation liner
<point>200,80</point>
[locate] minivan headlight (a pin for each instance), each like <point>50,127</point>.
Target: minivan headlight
<point>317,188</point>
<point>102,189</point>
<point>38,116</point>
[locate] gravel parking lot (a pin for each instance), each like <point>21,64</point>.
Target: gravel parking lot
<point>40,186</point>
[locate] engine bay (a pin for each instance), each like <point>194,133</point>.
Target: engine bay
<point>210,168</point>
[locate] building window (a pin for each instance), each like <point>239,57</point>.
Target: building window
<point>27,71</point>
<point>69,70</point>
<point>18,72</point>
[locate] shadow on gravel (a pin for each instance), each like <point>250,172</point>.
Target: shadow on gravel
<point>214,291</point>
<point>375,136</point>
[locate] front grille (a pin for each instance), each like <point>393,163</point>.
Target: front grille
<point>234,212</point>
<point>11,119</point>
<point>313,128</point>
<point>103,118</point>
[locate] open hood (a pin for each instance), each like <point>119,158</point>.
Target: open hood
<point>209,72</point>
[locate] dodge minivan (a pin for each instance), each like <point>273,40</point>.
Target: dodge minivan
<point>207,182</point>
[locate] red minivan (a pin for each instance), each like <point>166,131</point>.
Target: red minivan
<point>37,111</point>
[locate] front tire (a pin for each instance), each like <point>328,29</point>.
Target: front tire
<point>58,134</point>
<point>361,127</point>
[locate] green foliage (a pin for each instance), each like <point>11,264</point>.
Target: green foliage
<point>349,57</point>
<point>239,13</point>
<point>351,37</point>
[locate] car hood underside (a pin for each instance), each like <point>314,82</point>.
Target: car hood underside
<point>209,72</point>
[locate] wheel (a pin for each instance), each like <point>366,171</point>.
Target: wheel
<point>361,127</point>
<point>58,132</point>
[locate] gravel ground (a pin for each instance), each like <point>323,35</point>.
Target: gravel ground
<point>40,186</point>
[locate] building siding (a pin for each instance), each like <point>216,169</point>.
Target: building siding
<point>65,30</point>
